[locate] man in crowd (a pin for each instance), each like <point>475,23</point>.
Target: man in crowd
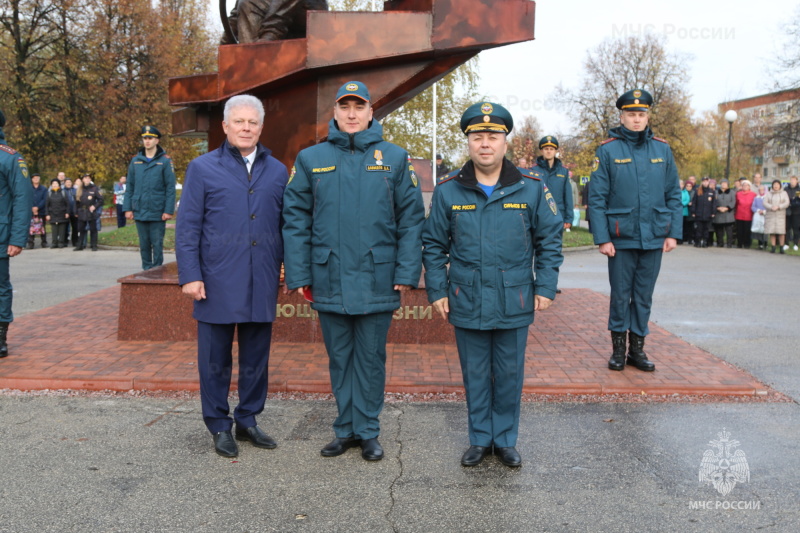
<point>441,168</point>
<point>551,170</point>
<point>229,249</point>
<point>793,214</point>
<point>17,204</point>
<point>489,293</point>
<point>72,226</point>
<point>353,217</point>
<point>635,201</point>
<point>150,196</point>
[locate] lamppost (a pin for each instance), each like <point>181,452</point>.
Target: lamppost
<point>730,116</point>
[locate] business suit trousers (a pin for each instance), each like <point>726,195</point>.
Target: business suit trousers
<point>632,274</point>
<point>493,369</point>
<point>356,346</point>
<point>151,242</point>
<point>214,361</point>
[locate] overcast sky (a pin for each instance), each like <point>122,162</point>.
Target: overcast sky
<point>731,43</point>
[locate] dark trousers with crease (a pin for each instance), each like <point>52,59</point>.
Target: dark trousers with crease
<point>632,274</point>
<point>493,368</point>
<point>356,346</point>
<point>215,364</point>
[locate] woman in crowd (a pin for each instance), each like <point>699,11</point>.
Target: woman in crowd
<point>775,203</point>
<point>744,214</point>
<point>703,210</point>
<point>757,229</point>
<point>687,199</point>
<point>723,219</point>
<point>57,214</point>
<point>88,201</point>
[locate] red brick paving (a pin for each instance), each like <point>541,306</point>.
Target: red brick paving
<point>74,345</point>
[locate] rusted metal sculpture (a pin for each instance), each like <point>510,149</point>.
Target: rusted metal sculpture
<point>252,21</point>
<point>398,53</point>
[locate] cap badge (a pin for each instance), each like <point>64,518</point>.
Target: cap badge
<point>352,87</point>
<point>486,118</point>
<point>637,94</point>
<point>487,108</point>
<point>636,101</point>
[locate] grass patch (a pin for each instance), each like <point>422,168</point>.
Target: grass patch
<point>128,236</point>
<point>577,237</point>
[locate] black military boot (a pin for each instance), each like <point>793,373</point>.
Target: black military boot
<point>636,355</point>
<point>3,334</point>
<point>618,341</point>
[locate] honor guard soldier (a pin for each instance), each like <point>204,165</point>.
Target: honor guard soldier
<point>635,200</point>
<point>150,196</point>
<point>353,216</point>
<point>16,200</point>
<point>489,220</point>
<point>556,176</point>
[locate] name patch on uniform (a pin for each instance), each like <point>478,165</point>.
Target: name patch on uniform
<point>320,170</point>
<point>515,206</point>
<point>138,162</point>
<point>561,175</point>
<point>657,160</point>
<point>622,160</point>
<point>468,207</point>
<point>379,168</point>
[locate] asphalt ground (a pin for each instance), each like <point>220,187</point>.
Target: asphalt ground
<point>136,463</point>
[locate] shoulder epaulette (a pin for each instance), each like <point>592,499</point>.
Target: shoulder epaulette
<point>530,176</point>
<point>660,139</point>
<point>7,148</point>
<point>608,140</point>
<point>448,177</point>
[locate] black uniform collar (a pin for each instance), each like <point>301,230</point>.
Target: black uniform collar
<point>509,175</point>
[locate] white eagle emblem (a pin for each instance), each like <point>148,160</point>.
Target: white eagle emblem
<point>724,468</point>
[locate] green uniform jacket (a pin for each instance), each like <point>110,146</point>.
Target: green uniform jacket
<point>635,197</point>
<point>557,180</point>
<point>352,215</point>
<point>151,186</point>
<point>490,245</point>
<point>16,198</point>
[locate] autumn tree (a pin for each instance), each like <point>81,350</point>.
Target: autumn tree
<point>82,77</point>
<point>616,66</point>
<point>524,140</point>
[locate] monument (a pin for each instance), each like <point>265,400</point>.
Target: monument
<point>398,53</point>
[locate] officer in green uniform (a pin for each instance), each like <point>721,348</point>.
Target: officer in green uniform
<point>635,200</point>
<point>556,176</point>
<point>150,196</point>
<point>488,220</point>
<point>353,216</point>
<point>16,202</point>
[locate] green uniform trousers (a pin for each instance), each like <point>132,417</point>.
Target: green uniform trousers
<point>632,274</point>
<point>356,346</point>
<point>151,243</point>
<point>493,368</point>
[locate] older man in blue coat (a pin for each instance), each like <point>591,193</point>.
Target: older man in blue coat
<point>230,249</point>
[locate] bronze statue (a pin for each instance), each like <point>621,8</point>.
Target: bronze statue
<point>267,20</point>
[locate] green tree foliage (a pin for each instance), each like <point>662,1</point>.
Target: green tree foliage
<point>79,78</point>
<point>616,66</point>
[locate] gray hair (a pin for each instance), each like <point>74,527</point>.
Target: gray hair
<point>243,100</point>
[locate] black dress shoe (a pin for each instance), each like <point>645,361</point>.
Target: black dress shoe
<point>224,444</point>
<point>256,436</point>
<point>508,456</point>
<point>474,455</point>
<point>338,446</point>
<point>371,450</point>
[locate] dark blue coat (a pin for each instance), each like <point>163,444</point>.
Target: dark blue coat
<point>40,199</point>
<point>228,234</point>
<point>635,197</point>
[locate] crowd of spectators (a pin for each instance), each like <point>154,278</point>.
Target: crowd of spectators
<point>721,216</point>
